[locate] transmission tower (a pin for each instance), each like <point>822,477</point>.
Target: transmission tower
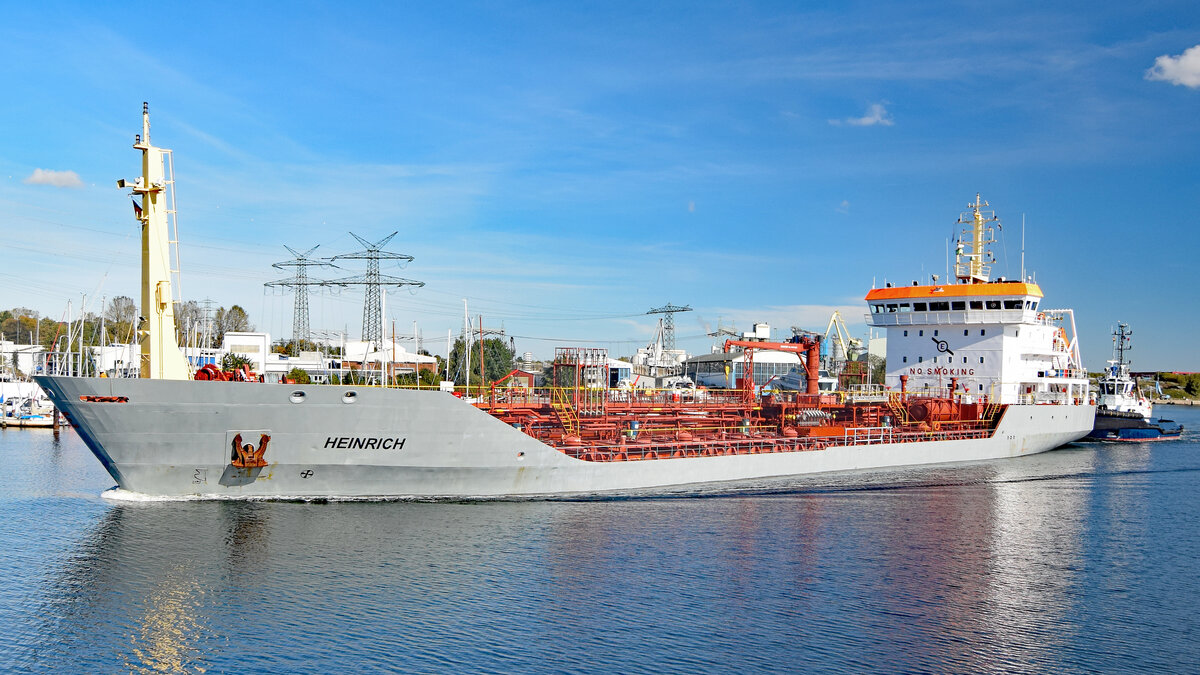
<point>299,284</point>
<point>668,311</point>
<point>372,330</point>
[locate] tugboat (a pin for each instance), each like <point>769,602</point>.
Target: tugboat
<point>1123,413</point>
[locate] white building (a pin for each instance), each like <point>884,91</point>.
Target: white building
<point>26,357</point>
<point>253,346</point>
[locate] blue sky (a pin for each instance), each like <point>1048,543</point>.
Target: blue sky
<point>568,166</point>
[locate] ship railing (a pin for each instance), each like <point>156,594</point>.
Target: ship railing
<point>1045,398</point>
<point>566,395</point>
<point>752,442</point>
<point>1063,373</point>
<point>866,392</point>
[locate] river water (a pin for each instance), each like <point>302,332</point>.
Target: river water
<point>1081,559</point>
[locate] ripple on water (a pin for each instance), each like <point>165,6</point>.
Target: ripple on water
<point>1078,560</point>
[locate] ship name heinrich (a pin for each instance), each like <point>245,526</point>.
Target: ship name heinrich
<point>353,443</point>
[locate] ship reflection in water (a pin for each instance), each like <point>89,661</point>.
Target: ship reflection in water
<point>1080,559</point>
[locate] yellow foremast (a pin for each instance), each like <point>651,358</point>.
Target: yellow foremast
<point>160,355</point>
<point>975,267</point>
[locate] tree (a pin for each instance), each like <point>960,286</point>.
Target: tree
<point>1192,387</point>
<point>231,362</point>
<point>878,366</point>
<point>299,376</point>
<point>120,316</point>
<point>497,360</point>
<point>232,320</point>
<point>294,347</point>
<point>188,317</point>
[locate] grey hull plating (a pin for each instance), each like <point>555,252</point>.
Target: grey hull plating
<point>173,438</point>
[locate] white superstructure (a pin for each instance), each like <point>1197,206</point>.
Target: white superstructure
<point>979,336</point>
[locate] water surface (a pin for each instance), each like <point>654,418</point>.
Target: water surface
<point>1081,559</point>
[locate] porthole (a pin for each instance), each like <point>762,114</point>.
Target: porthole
<point>350,397</point>
<point>297,397</point>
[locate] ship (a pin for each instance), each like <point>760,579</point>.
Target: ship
<point>1123,413</point>
<point>174,433</point>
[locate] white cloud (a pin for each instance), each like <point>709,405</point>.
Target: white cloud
<point>876,114</point>
<point>844,207</point>
<point>1183,69</point>
<point>68,179</point>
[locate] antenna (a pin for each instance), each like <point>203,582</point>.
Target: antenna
<point>1022,248</point>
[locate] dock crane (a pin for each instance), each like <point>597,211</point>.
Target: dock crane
<point>848,346</point>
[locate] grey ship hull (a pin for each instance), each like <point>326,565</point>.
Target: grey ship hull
<point>174,438</point>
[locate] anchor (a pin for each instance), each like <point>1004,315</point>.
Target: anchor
<point>246,456</point>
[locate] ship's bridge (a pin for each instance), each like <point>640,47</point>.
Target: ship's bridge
<point>998,302</point>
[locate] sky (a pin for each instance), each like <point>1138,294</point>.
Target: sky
<point>566,167</point>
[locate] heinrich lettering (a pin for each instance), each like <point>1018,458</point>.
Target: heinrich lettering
<point>363,443</point>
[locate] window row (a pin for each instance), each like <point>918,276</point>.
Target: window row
<point>952,305</point>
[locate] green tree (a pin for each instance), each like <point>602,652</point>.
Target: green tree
<point>299,376</point>
<point>294,347</point>
<point>878,366</point>
<point>497,360</point>
<point>231,362</point>
<point>1192,386</point>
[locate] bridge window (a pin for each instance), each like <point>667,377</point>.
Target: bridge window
<point>891,308</point>
<point>1012,304</point>
<point>939,307</point>
<point>904,307</point>
<point>993,304</point>
<point>1035,304</point>
<point>958,305</point>
<point>976,304</point>
<point>920,307</point>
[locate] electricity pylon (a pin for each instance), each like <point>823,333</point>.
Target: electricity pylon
<point>299,283</point>
<point>372,330</point>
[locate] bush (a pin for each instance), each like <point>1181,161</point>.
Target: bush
<point>299,376</point>
<point>231,362</point>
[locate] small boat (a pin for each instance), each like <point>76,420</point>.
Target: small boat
<point>28,411</point>
<point>1123,413</point>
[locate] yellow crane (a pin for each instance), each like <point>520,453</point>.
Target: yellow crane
<point>849,347</point>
